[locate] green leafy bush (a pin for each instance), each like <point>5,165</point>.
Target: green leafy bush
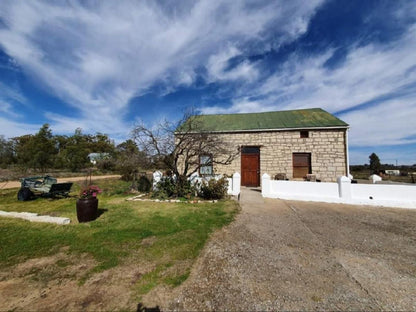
<point>143,184</point>
<point>106,164</point>
<point>171,187</point>
<point>214,189</point>
<point>184,188</point>
<point>165,188</point>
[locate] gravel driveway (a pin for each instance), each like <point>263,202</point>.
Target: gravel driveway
<point>289,255</point>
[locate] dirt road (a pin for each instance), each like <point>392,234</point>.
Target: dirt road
<point>288,255</point>
<point>13,184</point>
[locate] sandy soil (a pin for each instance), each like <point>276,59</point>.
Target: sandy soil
<point>53,284</point>
<point>13,184</point>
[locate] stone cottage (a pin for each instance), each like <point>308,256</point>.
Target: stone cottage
<point>296,144</point>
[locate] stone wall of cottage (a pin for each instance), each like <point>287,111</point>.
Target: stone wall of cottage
<point>327,148</point>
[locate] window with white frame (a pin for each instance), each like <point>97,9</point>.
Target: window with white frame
<point>205,162</point>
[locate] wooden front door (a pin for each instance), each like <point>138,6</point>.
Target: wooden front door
<point>250,166</point>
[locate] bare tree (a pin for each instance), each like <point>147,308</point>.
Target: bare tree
<point>181,144</point>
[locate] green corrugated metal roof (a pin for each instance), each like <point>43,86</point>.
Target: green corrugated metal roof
<point>302,118</point>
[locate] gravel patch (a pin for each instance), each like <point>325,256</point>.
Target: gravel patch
<point>288,255</point>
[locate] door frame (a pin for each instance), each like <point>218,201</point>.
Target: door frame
<point>255,152</point>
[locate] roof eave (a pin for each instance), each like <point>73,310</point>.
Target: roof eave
<point>271,130</point>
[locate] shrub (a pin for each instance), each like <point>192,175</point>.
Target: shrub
<point>184,188</point>
<point>165,188</point>
<point>170,186</point>
<point>126,175</point>
<point>106,164</point>
<point>214,189</point>
<point>143,184</point>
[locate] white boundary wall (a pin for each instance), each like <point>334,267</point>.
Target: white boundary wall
<point>343,191</point>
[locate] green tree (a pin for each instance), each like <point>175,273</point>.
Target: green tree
<point>374,163</point>
<point>76,150</point>
<point>130,160</point>
<point>6,152</point>
<point>36,151</point>
<point>101,143</point>
<point>61,142</point>
<point>44,150</point>
<point>23,149</point>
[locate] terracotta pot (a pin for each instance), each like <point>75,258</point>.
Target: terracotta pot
<point>87,209</point>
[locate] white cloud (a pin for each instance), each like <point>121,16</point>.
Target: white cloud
<point>389,123</point>
<point>373,73</point>
<point>12,94</point>
<point>96,57</point>
<point>7,109</point>
<point>10,98</point>
<point>218,66</point>
<point>96,123</point>
<point>242,105</point>
<point>12,129</point>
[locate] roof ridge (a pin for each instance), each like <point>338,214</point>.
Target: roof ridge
<point>267,112</point>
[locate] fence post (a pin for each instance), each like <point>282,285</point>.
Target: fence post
<point>157,175</point>
<point>344,188</point>
<point>265,185</point>
<point>236,183</point>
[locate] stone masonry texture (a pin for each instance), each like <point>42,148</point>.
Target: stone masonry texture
<point>327,149</point>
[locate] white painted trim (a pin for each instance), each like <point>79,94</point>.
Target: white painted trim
<point>347,153</point>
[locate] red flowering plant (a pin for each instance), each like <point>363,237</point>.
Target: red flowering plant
<point>90,191</point>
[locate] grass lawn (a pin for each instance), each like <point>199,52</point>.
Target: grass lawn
<point>160,234</point>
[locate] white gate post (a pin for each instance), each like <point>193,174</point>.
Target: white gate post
<point>344,188</point>
<point>265,185</point>
<point>157,175</point>
<point>236,183</point>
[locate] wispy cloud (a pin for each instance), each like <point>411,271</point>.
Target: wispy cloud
<point>218,67</point>
<point>388,123</point>
<point>10,97</point>
<point>97,56</point>
<point>12,93</point>
<point>12,128</point>
<point>367,89</point>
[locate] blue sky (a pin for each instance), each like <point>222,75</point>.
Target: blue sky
<point>105,65</point>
